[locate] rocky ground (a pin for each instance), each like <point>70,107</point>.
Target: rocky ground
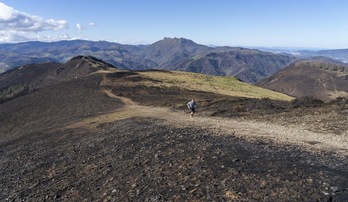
<point>85,143</point>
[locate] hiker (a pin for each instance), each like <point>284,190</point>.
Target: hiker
<point>192,105</point>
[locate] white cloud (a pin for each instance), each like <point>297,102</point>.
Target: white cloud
<point>6,12</point>
<point>79,27</point>
<point>13,36</point>
<point>20,26</point>
<point>19,36</point>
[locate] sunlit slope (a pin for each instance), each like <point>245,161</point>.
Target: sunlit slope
<point>206,83</point>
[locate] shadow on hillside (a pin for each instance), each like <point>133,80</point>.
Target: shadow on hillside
<point>146,160</point>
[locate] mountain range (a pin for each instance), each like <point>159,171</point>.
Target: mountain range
<point>249,65</point>
<point>303,75</point>
<point>336,54</point>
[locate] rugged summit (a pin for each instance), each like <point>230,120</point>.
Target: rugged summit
<point>168,52</point>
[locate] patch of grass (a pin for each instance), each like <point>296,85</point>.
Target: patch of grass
<point>215,84</point>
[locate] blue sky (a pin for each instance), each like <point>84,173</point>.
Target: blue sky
<point>268,23</point>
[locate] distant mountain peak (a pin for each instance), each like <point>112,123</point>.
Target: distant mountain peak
<point>177,41</point>
<point>180,40</point>
<point>170,51</point>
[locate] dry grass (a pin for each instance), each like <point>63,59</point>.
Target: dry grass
<point>206,83</point>
<point>200,82</point>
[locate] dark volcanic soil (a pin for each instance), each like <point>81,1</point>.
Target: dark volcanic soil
<point>150,159</point>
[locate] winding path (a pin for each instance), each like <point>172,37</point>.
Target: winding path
<point>248,129</point>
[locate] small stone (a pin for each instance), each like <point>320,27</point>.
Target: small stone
<point>156,198</point>
<point>326,186</point>
<point>334,189</point>
<point>262,185</point>
<point>309,180</point>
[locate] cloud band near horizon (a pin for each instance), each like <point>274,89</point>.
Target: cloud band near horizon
<point>20,26</point>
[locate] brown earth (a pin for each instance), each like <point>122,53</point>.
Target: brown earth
<point>306,79</point>
<point>102,138</point>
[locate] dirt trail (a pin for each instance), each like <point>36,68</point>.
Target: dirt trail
<point>243,128</point>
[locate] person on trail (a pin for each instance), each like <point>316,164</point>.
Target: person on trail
<point>192,105</point>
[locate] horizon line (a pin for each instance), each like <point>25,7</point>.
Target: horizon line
<point>271,47</point>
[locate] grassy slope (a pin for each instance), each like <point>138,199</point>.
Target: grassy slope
<point>206,83</point>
